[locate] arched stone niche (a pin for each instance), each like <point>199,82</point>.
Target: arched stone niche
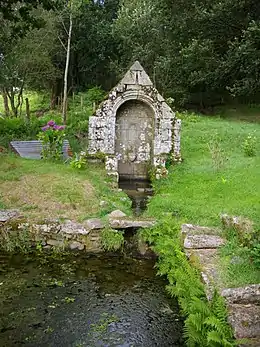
<point>134,127</point>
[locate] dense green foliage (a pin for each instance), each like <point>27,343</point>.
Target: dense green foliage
<point>206,322</point>
<point>12,129</point>
<point>200,53</point>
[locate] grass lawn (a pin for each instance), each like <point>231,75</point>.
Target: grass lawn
<point>195,190</point>
<point>198,191</point>
<point>49,190</point>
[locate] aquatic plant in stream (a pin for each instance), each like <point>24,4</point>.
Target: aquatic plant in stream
<point>52,137</point>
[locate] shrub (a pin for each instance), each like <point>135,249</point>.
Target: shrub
<point>249,145</point>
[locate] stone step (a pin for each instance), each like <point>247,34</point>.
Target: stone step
<point>243,295</point>
<point>203,241</point>
<point>197,229</point>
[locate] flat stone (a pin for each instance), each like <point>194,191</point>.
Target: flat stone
<point>70,227</point>
<point>94,223</point>
<point>55,243</point>
<point>116,214</point>
<point>203,241</point>
<point>129,223</point>
<point>6,215</point>
<point>76,245</point>
<point>197,229</point>
<point>245,320</point>
<point>243,295</point>
<point>48,228</point>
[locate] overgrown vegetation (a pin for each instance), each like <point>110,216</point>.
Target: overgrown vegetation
<point>206,322</point>
<point>12,241</point>
<point>239,261</point>
<point>112,240</point>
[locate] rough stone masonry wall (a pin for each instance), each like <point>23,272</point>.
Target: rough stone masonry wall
<point>85,236</point>
<point>102,126</point>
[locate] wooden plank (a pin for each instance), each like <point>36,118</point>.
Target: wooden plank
<point>32,149</point>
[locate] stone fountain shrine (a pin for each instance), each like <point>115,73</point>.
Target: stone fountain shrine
<point>134,128</point>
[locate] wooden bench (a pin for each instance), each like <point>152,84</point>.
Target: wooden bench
<point>33,149</point>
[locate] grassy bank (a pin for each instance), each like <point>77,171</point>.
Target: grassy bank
<point>50,190</point>
<point>215,180</point>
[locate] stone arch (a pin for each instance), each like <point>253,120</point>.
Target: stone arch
<point>135,86</point>
<point>134,138</point>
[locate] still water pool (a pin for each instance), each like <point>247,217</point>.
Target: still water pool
<point>79,300</point>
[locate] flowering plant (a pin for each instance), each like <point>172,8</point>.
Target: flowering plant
<point>52,136</point>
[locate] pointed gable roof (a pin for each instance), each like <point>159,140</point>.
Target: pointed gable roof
<point>136,75</point>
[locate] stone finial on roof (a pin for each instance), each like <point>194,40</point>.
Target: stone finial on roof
<point>136,75</point>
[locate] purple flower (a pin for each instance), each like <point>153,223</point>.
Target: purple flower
<point>51,123</point>
<point>46,128</point>
<point>61,127</point>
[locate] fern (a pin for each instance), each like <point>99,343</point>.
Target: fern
<point>206,323</point>
<point>193,331</point>
<point>214,337</point>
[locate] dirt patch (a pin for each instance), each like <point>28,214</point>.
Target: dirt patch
<point>50,196</point>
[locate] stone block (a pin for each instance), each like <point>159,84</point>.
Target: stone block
<point>196,229</point>
<point>6,215</point>
<point>243,295</point>
<point>203,241</point>
<point>94,223</point>
<point>70,227</point>
<point>245,320</point>
<point>116,214</point>
<point>55,243</point>
<point>124,223</point>
<point>76,245</point>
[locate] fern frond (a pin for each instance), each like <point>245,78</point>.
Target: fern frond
<point>213,336</point>
<point>199,305</point>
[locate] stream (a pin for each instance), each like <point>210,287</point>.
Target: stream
<point>81,300</point>
<point>139,191</point>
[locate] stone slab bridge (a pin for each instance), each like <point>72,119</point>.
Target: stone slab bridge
<point>135,128</point>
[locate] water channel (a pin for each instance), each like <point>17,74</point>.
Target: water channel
<point>81,300</point>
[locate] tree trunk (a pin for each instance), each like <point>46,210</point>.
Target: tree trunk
<point>65,93</point>
<point>6,103</point>
<point>11,96</point>
<point>27,105</point>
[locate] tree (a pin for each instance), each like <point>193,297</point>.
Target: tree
<point>19,14</point>
<point>28,62</point>
<point>193,48</point>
